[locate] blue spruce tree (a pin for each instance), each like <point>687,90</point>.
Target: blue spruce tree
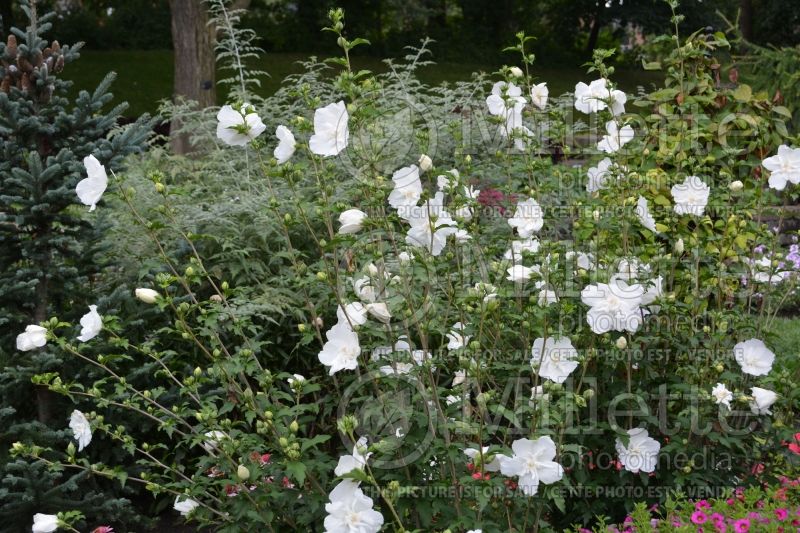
<point>48,257</point>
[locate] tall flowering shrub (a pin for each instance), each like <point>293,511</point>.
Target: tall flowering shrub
<point>552,318</point>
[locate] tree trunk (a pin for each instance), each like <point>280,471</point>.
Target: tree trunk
<point>746,19</point>
<point>194,61</point>
<point>44,398</point>
<point>594,34</point>
<point>240,4</point>
<point>7,15</point>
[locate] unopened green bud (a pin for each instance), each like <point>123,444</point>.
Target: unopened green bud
<point>294,426</point>
<point>347,424</point>
<point>243,473</point>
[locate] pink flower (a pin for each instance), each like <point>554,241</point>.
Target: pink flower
<point>702,504</point>
<point>699,517</point>
<point>781,514</point>
<point>103,529</point>
<point>742,525</point>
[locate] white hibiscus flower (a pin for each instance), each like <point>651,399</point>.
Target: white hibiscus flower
<point>81,429</point>
<point>350,510</point>
<point>528,218</point>
<point>691,196</point>
<point>754,357</point>
<point>721,395</point>
<point>784,167</point>
<point>532,462</point>
<point>641,453</point>
<point>554,358</point>
<point>331,131</point>
<point>615,137</point>
<point>238,127</point>
<point>342,349</point>
<point>286,145</point>
<point>91,188</point>
<point>615,306</point>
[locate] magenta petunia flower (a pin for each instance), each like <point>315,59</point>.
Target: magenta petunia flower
<point>699,517</point>
<point>742,525</point>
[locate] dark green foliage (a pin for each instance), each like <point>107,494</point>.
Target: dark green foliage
<point>49,248</point>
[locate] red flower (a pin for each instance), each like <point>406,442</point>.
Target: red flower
<point>103,529</point>
<point>794,447</point>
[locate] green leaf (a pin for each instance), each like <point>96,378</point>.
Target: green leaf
<point>783,111</point>
<point>297,470</point>
<point>310,443</point>
<point>558,499</point>
<point>743,93</point>
<point>651,65</point>
<point>662,200</point>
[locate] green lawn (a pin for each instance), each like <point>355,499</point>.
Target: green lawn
<point>145,76</point>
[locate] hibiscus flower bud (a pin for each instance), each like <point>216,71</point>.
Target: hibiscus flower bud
<point>516,72</point>
<point>347,424</point>
<point>622,343</point>
<point>679,246</point>
<point>294,426</point>
<point>243,473</point>
<point>425,163</point>
<point>351,221</point>
<point>147,296</point>
<point>736,186</point>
